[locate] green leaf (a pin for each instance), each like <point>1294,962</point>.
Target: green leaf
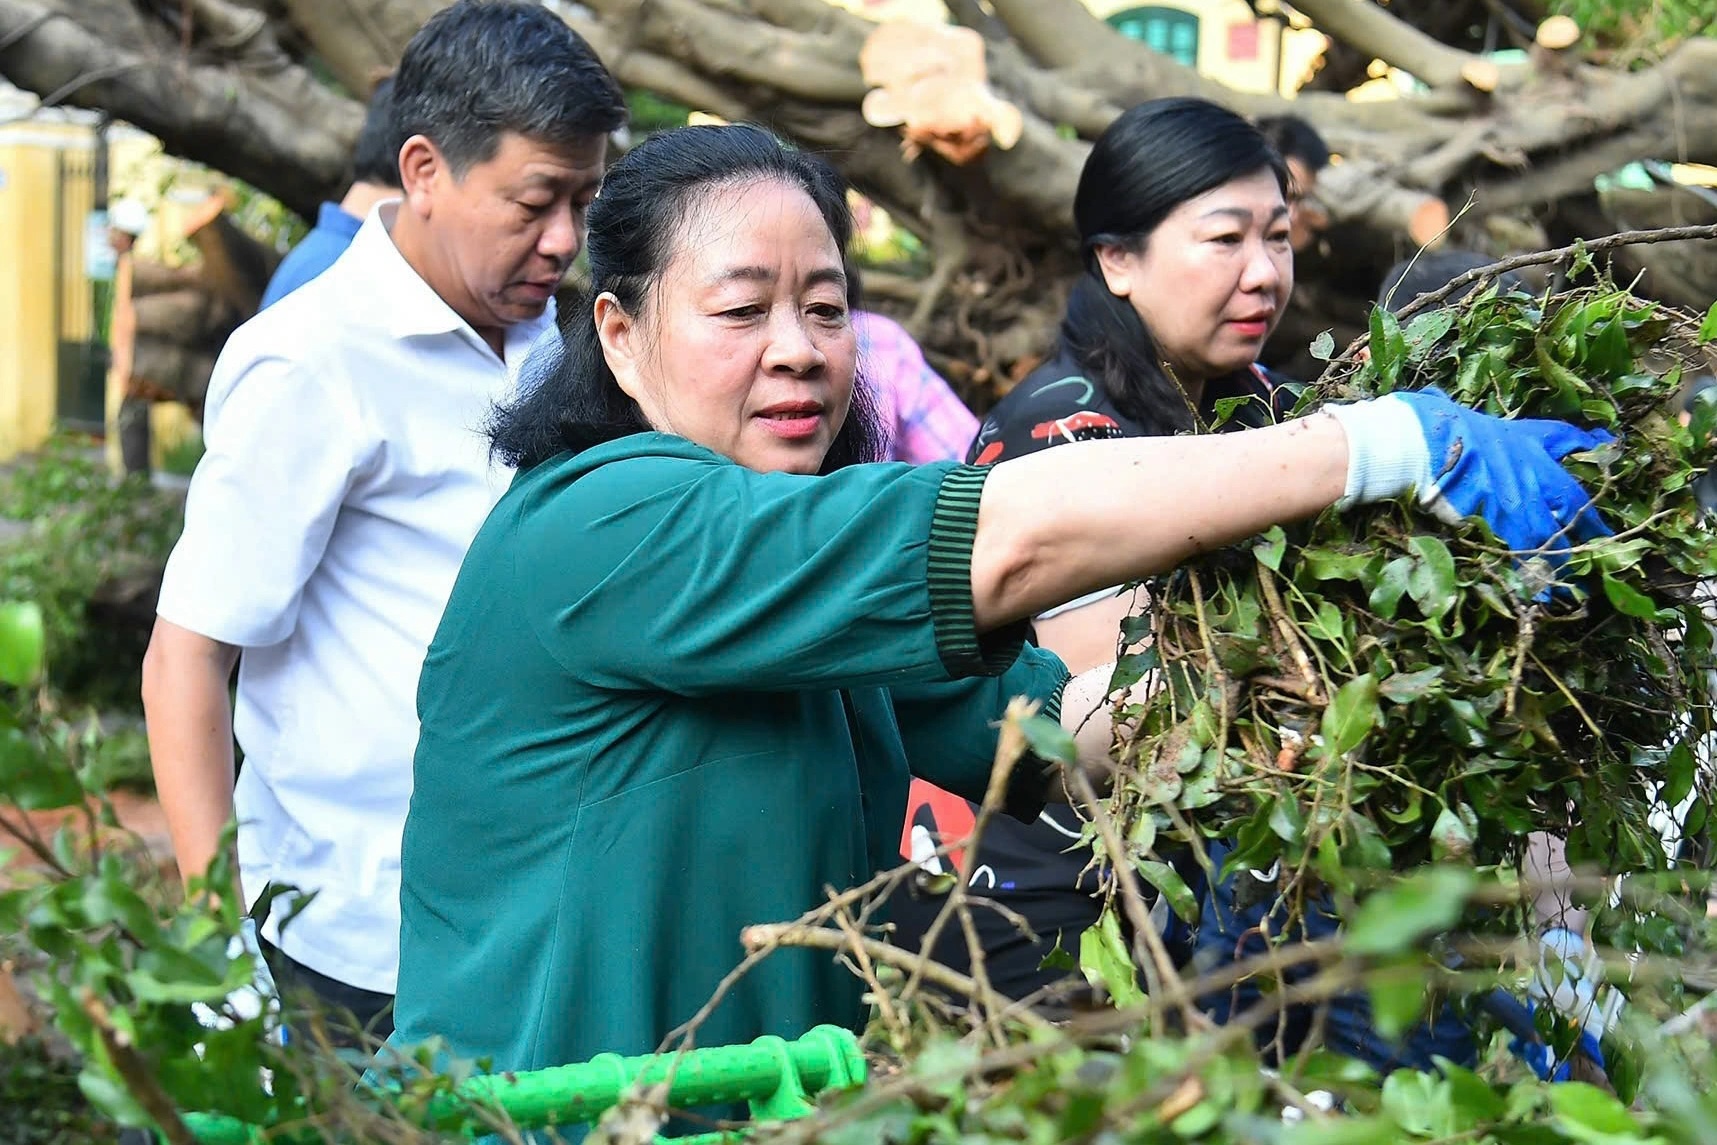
<point>1323,346</point>
<point>1426,330</point>
<point>1391,586</point>
<point>1396,1001</point>
<point>1049,741</point>
<point>1058,958</point>
<point>1629,601</point>
<point>1419,1102</point>
<point>1133,667</point>
<point>1270,548</point>
<point>1472,1096</point>
<point>1589,1114</point>
<point>1453,834</point>
<point>1708,328</point>
<point>1431,583</point>
<point>110,899</point>
<point>1407,687</point>
<point>943,1065</point>
<point>1350,716</point>
<point>1343,1131</point>
<point>1286,820</point>
<point>1167,880</point>
<point>1104,958</point>
<point>1327,625</point>
<point>23,642</point>
<point>1396,918</point>
<point>1680,769</point>
<point>1225,409</point>
<point>1388,346</point>
<point>1326,564</point>
<point>33,780</point>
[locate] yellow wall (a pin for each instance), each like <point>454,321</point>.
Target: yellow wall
<point>29,337</point>
<point>32,197</point>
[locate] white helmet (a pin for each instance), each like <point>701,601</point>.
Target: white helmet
<point>128,215</point>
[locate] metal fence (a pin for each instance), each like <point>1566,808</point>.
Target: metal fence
<point>82,308</point>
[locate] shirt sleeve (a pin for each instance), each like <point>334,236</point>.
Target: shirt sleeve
<point>1048,408</point>
<point>951,729</point>
<point>698,577</point>
<point>282,451</point>
<point>932,422</point>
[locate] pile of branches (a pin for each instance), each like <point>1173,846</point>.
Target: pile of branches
<point>1374,690</point>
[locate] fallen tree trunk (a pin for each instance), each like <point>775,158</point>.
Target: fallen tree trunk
<point>219,87</point>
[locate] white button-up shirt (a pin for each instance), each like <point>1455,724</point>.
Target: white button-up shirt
<point>346,472</point>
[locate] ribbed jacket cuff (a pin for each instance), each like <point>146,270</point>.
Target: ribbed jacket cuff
<point>953,529</point>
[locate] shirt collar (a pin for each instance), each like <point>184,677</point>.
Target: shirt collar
<point>414,308</point>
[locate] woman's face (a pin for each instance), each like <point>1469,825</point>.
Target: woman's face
<point>1211,281</point>
<point>745,344</point>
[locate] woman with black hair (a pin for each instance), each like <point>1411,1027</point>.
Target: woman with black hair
<point>696,651</point>
<point>1183,212</point>
<point>1182,216</point>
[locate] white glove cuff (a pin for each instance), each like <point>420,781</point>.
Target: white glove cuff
<point>1386,452</point>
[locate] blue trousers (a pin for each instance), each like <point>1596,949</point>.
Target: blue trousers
<point>1229,932</point>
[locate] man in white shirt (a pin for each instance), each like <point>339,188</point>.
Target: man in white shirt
<point>346,473</point>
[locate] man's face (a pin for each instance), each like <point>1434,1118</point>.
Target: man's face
<point>1306,216</point>
<point>505,232</point>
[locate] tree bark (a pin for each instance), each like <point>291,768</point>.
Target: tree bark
<point>274,126</point>
<point>1377,33</point>
<point>998,231</point>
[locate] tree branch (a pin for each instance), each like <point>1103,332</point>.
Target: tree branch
<point>1364,25</point>
<point>727,45</point>
<point>1063,33</point>
<point>972,14</point>
<point>1544,258</point>
<point>358,38</point>
<point>1569,174</point>
<point>276,128</point>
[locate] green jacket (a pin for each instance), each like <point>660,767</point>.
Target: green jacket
<point>671,697</point>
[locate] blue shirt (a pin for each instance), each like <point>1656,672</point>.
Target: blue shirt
<point>316,252</point>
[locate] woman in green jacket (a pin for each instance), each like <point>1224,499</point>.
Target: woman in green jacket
<point>698,648</point>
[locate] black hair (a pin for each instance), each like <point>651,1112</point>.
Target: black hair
<point>483,68</point>
<point>375,157</point>
<point>1294,138</point>
<point>1433,270</point>
<point>635,221</point>
<point>1153,158</point>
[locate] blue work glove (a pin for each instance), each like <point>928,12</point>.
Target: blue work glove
<point>1542,1059</point>
<point>1569,978</point>
<point>1459,462</point>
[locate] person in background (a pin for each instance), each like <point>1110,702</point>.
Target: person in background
<point>1184,220</point>
<point>1306,154</point>
<point>923,417</point>
<point>1181,215</point>
<point>375,179</point>
<point>345,475</point>
<point>127,219</point>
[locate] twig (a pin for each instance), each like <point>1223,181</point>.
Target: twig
<point>33,842</point>
<point>1568,695</point>
<point>1285,627</point>
<point>140,1081</point>
<point>768,936</point>
<point>1528,628</point>
<point>1010,747</point>
<point>1165,978</point>
<point>1541,258</point>
<point>855,941</point>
